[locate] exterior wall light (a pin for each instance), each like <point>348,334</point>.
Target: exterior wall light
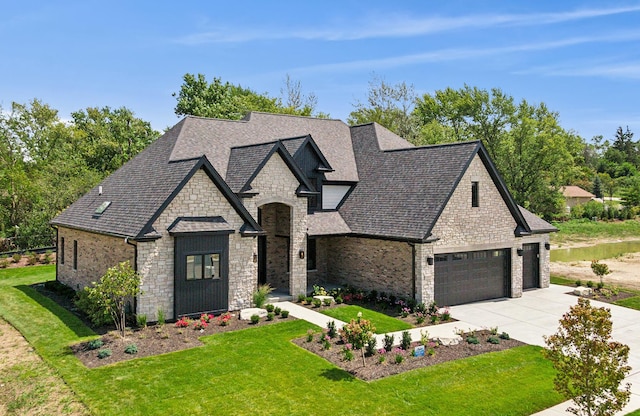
<point>430,261</point>
<point>547,246</point>
<point>520,252</point>
<point>255,258</point>
<point>301,254</point>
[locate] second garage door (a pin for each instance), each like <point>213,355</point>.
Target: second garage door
<point>472,276</point>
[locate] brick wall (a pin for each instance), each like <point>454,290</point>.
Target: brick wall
<point>96,253</point>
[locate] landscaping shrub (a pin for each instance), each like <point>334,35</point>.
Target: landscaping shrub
<point>316,302</point>
<point>370,348</point>
<point>339,300</point>
<point>284,313</point>
<point>131,349</point>
<point>92,309</point>
<point>310,335</point>
<point>277,310</point>
<point>493,340</point>
<point>200,325</point>
<point>493,330</point>
<point>445,315</point>
<point>183,322</point>
<point>161,316</point>
<point>399,358</point>
<point>578,282</point>
<point>255,318</point>
<point>270,316</point>
<point>302,297</point>
<point>358,332</point>
<point>405,342</point>
<point>223,320</point>
<point>4,263</point>
<point>48,257</point>
<point>420,317</point>
<point>319,291</point>
<point>326,301</point>
<point>434,318</point>
<point>590,284</point>
<point>332,331</point>
<point>381,359</point>
<point>141,320</point>
<point>32,258</point>
<point>388,342</point>
<point>94,344</point>
<point>104,353</point>
<point>472,340</point>
<point>16,257</point>
<point>269,307</point>
<point>347,352</point>
<point>261,294</point>
<point>325,340</point>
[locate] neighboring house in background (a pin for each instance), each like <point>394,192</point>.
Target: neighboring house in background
<point>574,195</point>
<point>215,207</point>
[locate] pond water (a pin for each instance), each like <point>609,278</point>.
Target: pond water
<point>597,252</point>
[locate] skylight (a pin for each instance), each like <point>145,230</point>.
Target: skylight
<point>102,207</point>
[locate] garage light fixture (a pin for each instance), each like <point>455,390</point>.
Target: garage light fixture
<point>520,252</point>
<point>547,246</point>
<point>430,261</point>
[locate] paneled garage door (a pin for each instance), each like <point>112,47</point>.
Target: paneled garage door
<point>472,276</point>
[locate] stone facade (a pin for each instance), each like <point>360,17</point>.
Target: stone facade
<point>199,198</point>
<point>276,184</point>
<point>366,263</point>
<point>275,221</point>
<point>96,253</point>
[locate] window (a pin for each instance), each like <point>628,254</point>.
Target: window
<point>102,208</point>
<point>61,250</point>
<point>475,195</point>
<point>311,254</point>
<point>203,266</point>
<point>75,254</point>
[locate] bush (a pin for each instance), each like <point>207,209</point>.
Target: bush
<point>270,316</point>
<point>445,315</point>
<point>308,300</point>
<point>405,343</point>
<point>309,335</point>
<point>381,359</point>
<point>317,303</point>
<point>16,257</point>
<point>388,342</point>
<point>347,354</point>
<point>92,309</point>
<point>48,257</point>
<point>399,358</point>
<point>141,320</point>
<point>183,322</point>
<point>590,284</point>
<point>255,318</point>
<point>339,299</point>
<point>599,285</point>
<point>94,344</point>
<point>161,316</point>
<point>578,282</point>
<point>434,318</point>
<point>4,263</point>
<point>332,331</point>
<point>261,294</point>
<point>326,301</point>
<point>302,297</point>
<point>493,330</point>
<point>277,310</point>
<point>284,313</point>
<point>504,336</point>
<point>472,340</point>
<point>131,349</point>
<point>370,348</point>
<point>104,353</point>
<point>32,258</point>
<point>493,340</point>
<point>269,307</point>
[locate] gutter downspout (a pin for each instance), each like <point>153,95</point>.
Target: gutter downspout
<point>135,268</point>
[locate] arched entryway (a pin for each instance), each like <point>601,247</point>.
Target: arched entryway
<point>274,248</point>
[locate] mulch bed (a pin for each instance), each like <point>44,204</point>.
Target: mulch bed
<point>374,369</point>
<point>158,339</point>
<point>606,297</point>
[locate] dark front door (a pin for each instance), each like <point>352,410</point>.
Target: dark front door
<point>201,274</point>
<point>262,259</point>
<point>472,276</point>
<point>530,266</point>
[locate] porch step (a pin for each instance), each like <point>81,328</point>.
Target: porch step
<point>279,297</point>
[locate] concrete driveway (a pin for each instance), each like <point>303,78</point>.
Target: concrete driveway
<point>537,313</point>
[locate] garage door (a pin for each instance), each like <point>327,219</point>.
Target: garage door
<point>530,266</point>
<point>472,276</point>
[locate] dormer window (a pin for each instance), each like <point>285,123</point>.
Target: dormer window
<point>102,208</point>
<point>475,195</point>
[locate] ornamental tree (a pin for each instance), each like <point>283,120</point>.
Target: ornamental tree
<point>600,269</point>
<point>114,290</point>
<point>590,365</point>
<point>359,332</point>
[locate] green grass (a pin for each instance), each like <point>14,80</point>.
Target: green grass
<point>380,321</point>
<point>259,371</point>
<point>632,303</point>
<point>559,280</point>
<point>576,230</point>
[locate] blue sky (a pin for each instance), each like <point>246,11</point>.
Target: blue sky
<point>580,58</point>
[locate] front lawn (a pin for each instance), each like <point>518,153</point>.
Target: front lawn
<point>259,371</point>
<point>380,321</point>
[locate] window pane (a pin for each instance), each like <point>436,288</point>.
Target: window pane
<point>212,266</point>
<point>194,267</point>
<point>475,195</point>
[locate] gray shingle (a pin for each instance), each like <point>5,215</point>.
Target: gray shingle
<point>326,223</point>
<point>199,225</point>
<point>536,224</point>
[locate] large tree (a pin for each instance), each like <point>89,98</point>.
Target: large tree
<point>219,99</point>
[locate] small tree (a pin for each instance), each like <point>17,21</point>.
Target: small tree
<point>600,269</point>
<point>359,332</point>
<point>115,288</point>
<point>590,366</point>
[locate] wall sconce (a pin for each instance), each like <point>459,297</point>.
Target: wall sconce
<point>520,252</point>
<point>301,254</point>
<point>255,258</point>
<point>547,246</point>
<point>430,261</point>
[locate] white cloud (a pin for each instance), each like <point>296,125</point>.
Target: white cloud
<point>397,26</point>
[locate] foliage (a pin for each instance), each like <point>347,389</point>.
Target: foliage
<point>270,316</point>
<point>284,313</point>
<point>269,307</point>
<point>200,325</point>
<point>399,358</point>
<point>310,335</point>
<point>261,294</point>
<point>504,336</point>
<point>302,297</point>
<point>472,340</point>
<point>319,291</point>
<point>104,353</point>
<point>600,269</point>
<point>326,301</point>
<point>388,342</point>
<point>119,284</point>
<point>131,349</point>
<point>223,319</point>
<point>141,320</point>
<point>255,318</point>
<point>590,365</point>
<point>405,342</point>
<point>317,302</point>
<point>94,344</point>
<point>347,352</point>
<point>332,330</point>
<point>183,322</point>
<point>277,310</point>
<point>93,309</point>
<point>493,340</point>
<point>161,317</point>
<point>220,99</point>
<point>382,322</point>
<point>358,332</point>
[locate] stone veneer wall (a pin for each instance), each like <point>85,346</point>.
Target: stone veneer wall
<point>276,184</point>
<point>365,263</point>
<point>96,253</point>
<point>199,198</point>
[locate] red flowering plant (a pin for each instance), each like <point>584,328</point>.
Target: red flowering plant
<point>205,317</point>
<point>358,332</point>
<point>223,320</point>
<point>200,325</point>
<point>183,322</point>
